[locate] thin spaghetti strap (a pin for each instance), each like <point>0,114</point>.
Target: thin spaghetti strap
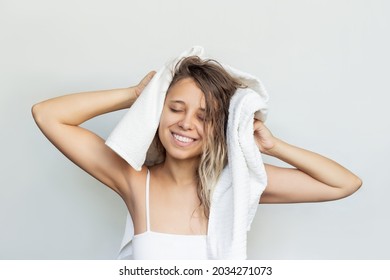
<point>147,201</point>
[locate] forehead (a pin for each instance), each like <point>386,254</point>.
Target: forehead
<point>186,92</point>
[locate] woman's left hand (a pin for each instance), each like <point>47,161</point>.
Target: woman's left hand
<point>265,141</point>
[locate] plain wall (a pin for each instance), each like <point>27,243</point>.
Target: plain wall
<point>324,63</point>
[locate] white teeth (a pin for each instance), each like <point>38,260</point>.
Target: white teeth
<point>183,139</point>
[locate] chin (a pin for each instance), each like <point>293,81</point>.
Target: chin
<point>182,155</point>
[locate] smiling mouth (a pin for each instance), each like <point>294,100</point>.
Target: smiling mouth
<point>183,139</point>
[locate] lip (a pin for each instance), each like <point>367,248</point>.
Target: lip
<point>182,144</point>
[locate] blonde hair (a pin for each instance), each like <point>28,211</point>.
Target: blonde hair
<point>218,87</point>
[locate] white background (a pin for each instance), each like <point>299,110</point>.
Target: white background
<point>325,65</point>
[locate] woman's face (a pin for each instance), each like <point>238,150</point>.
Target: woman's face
<point>181,125</point>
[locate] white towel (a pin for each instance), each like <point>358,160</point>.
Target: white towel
<point>236,196</point>
<point>132,136</point>
<point>237,193</point>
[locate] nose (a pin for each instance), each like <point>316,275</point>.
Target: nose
<point>186,123</point>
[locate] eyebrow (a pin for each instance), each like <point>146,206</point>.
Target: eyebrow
<point>183,103</point>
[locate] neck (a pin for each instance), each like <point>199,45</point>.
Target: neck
<point>181,172</point>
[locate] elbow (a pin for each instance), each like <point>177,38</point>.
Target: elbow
<point>353,186</point>
<point>40,114</point>
<point>36,112</point>
<point>357,183</point>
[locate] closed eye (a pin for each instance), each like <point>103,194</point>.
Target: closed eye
<point>174,110</point>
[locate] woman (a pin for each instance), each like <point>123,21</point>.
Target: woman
<point>169,202</point>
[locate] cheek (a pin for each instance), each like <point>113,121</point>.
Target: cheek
<point>166,119</point>
<point>163,131</point>
<point>205,128</point>
<point>201,131</point>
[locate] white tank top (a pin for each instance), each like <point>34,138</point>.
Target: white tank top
<point>151,245</point>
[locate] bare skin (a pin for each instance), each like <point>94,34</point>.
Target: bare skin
<point>173,197</point>
<point>315,178</point>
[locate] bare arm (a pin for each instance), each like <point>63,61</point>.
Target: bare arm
<point>59,119</point>
<point>314,178</point>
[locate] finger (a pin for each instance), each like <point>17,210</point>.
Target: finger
<point>145,81</point>
<point>257,124</point>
